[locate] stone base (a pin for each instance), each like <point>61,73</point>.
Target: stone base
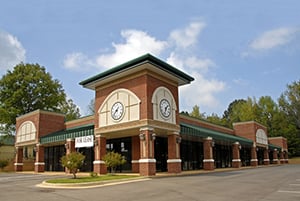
<point>100,167</point>
<point>18,167</point>
<point>174,165</point>
<point>266,162</point>
<point>236,163</point>
<point>135,167</point>
<point>208,164</point>
<point>39,167</point>
<point>147,167</point>
<point>254,162</point>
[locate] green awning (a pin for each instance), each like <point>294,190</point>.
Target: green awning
<point>63,135</point>
<point>273,146</point>
<point>187,129</point>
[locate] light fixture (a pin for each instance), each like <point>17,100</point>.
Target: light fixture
<point>212,143</point>
<point>142,137</point>
<point>96,142</point>
<point>35,149</point>
<point>240,147</point>
<point>153,136</point>
<point>67,146</point>
<point>178,139</point>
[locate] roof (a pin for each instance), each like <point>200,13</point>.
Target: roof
<point>61,136</point>
<point>147,58</point>
<point>187,129</point>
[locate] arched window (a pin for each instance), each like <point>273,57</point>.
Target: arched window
<point>261,137</point>
<point>26,132</point>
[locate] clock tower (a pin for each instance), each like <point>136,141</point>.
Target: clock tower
<point>138,100</point>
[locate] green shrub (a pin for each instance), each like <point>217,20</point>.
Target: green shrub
<point>112,160</point>
<point>3,164</point>
<point>73,162</point>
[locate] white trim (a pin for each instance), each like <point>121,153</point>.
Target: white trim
<point>266,160</point>
<point>286,159</point>
<point>135,161</point>
<point>282,159</point>
<point>16,164</point>
<point>209,138</point>
<point>147,160</point>
<point>174,161</point>
<point>236,160</point>
<point>254,160</point>
<point>147,128</point>
<point>208,160</point>
<point>39,163</point>
<point>98,162</point>
<point>275,159</point>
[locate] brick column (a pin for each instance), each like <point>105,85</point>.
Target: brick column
<point>208,161</point>
<point>275,157</point>
<point>174,161</point>
<point>100,151</point>
<point>147,162</point>
<point>70,147</point>
<point>19,159</point>
<point>254,161</point>
<point>281,155</point>
<point>236,160</point>
<point>39,165</point>
<point>266,156</point>
<point>135,145</point>
<point>286,157</point>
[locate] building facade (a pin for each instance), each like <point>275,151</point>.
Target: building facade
<point>137,115</point>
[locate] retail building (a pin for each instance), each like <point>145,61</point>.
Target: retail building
<point>137,115</point>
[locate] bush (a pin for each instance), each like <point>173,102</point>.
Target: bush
<point>112,160</point>
<point>3,164</point>
<point>73,162</point>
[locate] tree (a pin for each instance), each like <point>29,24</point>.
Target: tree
<point>113,160</point>
<point>196,112</point>
<point>91,107</point>
<point>73,162</point>
<point>289,105</point>
<point>27,88</point>
<point>232,114</point>
<point>71,110</point>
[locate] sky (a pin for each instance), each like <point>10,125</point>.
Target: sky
<point>234,49</point>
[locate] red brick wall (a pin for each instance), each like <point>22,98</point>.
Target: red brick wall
<point>279,141</point>
<point>142,86</point>
<point>80,122</point>
<point>248,129</point>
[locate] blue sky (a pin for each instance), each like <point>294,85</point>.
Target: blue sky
<point>234,49</point>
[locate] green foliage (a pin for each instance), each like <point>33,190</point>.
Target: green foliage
<point>94,174</point>
<point>196,112</point>
<point>112,160</point>
<point>73,162</point>
<point>3,164</point>
<point>27,88</point>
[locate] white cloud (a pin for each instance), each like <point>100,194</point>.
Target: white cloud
<point>179,46</point>
<point>188,36</point>
<point>201,92</point>
<point>78,61</point>
<point>11,51</point>
<point>136,44</point>
<point>273,38</point>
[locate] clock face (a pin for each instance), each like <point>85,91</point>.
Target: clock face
<point>117,111</point>
<point>165,108</point>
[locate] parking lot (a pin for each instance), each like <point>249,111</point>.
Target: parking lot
<point>263,183</point>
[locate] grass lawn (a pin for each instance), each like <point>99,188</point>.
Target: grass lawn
<point>295,160</point>
<point>90,179</point>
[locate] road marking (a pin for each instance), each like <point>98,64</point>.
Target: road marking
<point>296,192</point>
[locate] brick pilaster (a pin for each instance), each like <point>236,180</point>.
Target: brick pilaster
<point>275,157</point>
<point>254,161</point>
<point>174,161</point>
<point>147,162</point>
<point>208,161</point>
<point>39,165</point>
<point>19,159</point>
<point>100,151</point>
<point>266,156</point>
<point>236,160</point>
<point>135,153</point>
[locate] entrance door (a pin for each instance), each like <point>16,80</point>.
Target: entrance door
<point>88,152</point>
<point>52,158</point>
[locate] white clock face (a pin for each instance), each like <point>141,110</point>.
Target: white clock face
<point>117,111</point>
<point>165,108</point>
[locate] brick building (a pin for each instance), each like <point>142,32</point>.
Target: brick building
<point>137,115</point>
